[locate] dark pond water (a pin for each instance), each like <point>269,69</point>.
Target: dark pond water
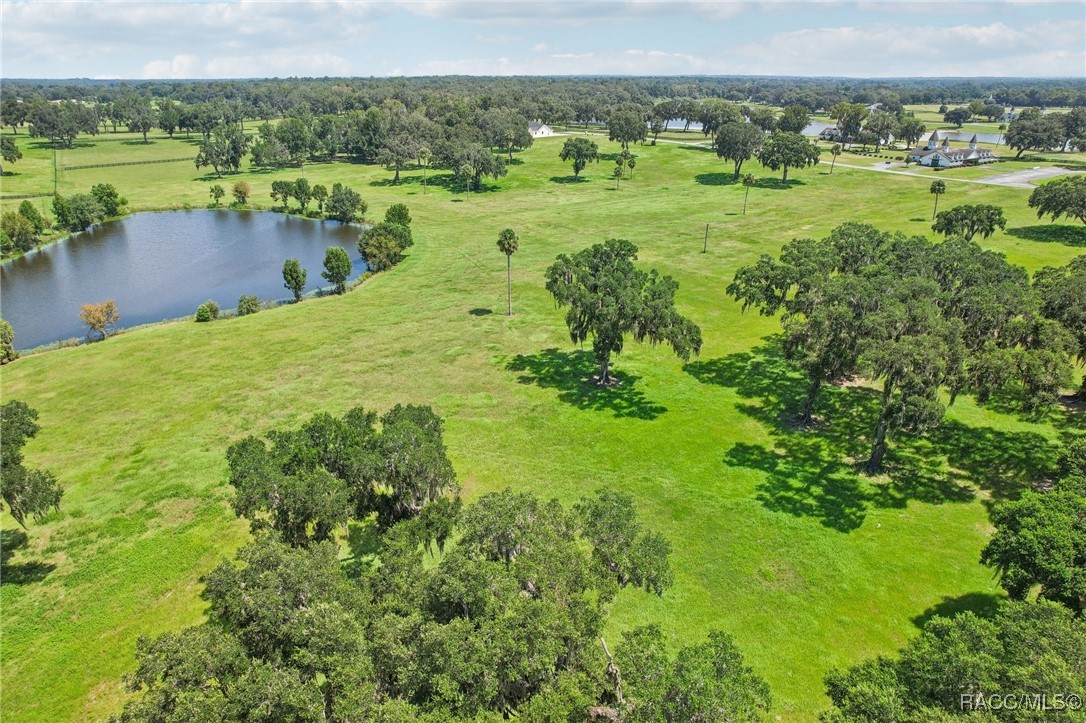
<point>161,266</point>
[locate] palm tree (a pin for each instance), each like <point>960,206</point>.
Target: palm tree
<point>631,163</point>
<point>748,181</point>
<point>1002,128</point>
<point>835,151</point>
<point>617,173</point>
<point>508,243</point>
<point>424,161</point>
<point>938,188</point>
<point>467,170</point>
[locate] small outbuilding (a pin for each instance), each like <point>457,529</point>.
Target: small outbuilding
<point>540,130</point>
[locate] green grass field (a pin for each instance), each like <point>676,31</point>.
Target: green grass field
<point>776,538</point>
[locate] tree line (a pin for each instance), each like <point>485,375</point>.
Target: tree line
<point>551,100</point>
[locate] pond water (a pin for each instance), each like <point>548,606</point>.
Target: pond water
<point>161,266</point>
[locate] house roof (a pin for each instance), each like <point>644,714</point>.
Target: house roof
<point>533,126</point>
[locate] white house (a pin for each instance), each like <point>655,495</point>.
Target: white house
<point>540,130</point>
<point>943,156</point>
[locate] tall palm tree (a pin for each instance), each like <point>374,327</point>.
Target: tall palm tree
<point>508,243</point>
<point>424,161</point>
<point>835,151</point>
<point>748,181</point>
<point>938,188</point>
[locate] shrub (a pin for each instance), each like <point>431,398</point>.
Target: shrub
<point>213,308</point>
<point>203,313</point>
<point>241,191</point>
<point>398,213</point>
<point>248,305</point>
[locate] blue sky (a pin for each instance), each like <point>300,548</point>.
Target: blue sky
<point>112,39</point>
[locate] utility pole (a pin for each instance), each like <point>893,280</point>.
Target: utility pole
<point>54,168</point>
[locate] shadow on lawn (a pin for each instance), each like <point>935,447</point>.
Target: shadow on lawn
<point>1059,233</point>
<point>438,180</point>
<point>21,573</point>
<point>984,604</point>
<point>571,373</point>
<point>815,472</point>
<point>716,179</point>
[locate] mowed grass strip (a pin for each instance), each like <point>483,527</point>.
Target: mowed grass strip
<point>775,537</point>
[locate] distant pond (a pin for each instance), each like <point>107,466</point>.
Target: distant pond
<point>163,265</point>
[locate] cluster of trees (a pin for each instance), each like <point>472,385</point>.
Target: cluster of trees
<point>208,311</point>
<point>241,190</point>
<point>975,108</point>
<point>382,244</point>
<point>21,230</point>
<point>1064,196</point>
<point>962,665</point>
<point>608,299</point>
<point>876,127</point>
<point>27,493</point>
<point>342,203</point>
<point>1034,131</point>
<point>916,316</point>
<point>505,622</point>
<point>739,141</point>
<point>82,210</point>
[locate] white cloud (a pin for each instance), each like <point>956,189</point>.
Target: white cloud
<point>568,12</point>
<point>182,66</point>
<point>302,64</point>
<point>633,61</point>
<point>887,50</point>
<point>247,38</point>
<point>162,39</point>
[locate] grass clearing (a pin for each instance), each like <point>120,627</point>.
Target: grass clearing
<point>776,539</point>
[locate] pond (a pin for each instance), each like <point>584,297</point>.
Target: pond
<point>161,266</point>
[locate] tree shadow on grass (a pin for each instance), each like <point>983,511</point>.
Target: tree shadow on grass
<point>815,472</point>
<point>568,179</point>
<point>21,573</point>
<point>776,184</point>
<point>716,179</point>
<point>1059,233</point>
<point>984,604</point>
<point>441,180</point>
<point>480,312</point>
<point>571,373</point>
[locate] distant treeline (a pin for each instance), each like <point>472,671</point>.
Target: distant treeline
<point>557,99</point>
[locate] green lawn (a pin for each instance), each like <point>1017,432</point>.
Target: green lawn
<point>776,538</point>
